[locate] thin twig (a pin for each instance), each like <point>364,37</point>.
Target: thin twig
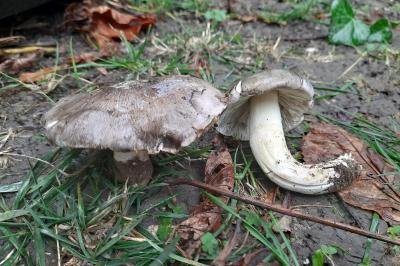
<point>342,226</point>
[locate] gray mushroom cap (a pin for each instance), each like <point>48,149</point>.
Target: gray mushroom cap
<point>163,114</point>
<point>295,98</point>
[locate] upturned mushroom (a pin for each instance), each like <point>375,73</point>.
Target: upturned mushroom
<point>135,119</point>
<point>260,109</point>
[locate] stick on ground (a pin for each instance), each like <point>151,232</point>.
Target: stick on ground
<point>342,226</point>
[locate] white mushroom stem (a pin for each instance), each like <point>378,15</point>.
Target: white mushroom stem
<point>131,155</point>
<point>268,145</point>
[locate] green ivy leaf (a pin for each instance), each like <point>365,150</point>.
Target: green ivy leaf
<point>346,29</point>
<point>209,244</point>
<point>380,31</point>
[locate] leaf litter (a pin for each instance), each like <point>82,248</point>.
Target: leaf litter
<point>16,63</point>
<point>372,190</point>
<point>104,24</point>
<point>207,217</point>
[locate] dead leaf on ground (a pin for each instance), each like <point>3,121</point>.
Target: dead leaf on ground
<point>206,217</point>
<point>245,18</point>
<point>15,64</point>
<point>42,74</point>
<point>47,72</point>
<point>72,261</point>
<point>85,57</point>
<point>105,24</point>
<point>368,191</point>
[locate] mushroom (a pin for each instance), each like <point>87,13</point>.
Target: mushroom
<point>135,119</point>
<point>260,109</point>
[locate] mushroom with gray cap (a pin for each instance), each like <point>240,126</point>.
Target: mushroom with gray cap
<point>260,108</point>
<point>135,119</point>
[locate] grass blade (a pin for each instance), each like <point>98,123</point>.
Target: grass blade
<point>39,247</point>
<point>14,187</point>
<point>8,215</point>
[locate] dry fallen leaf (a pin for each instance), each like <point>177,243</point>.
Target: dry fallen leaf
<point>47,72</point>
<point>245,18</point>
<point>105,24</point>
<point>85,57</point>
<point>369,191</point>
<point>73,261</point>
<point>206,217</point>
<point>15,64</point>
<point>42,74</point>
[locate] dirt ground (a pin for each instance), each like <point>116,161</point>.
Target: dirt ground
<point>302,48</point>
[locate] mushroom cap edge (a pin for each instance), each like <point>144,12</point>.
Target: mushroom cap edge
<point>295,98</point>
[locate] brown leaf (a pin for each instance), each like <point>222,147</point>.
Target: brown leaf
<point>42,74</point>
<point>368,191</point>
<point>85,57</point>
<point>45,73</point>
<point>245,18</point>
<point>73,261</point>
<point>102,71</point>
<point>15,64</point>
<point>206,216</point>
<point>105,24</point>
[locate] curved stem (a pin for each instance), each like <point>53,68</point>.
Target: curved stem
<point>268,144</point>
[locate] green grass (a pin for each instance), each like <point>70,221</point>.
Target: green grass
<point>262,231</point>
<point>51,209</point>
<point>327,92</point>
<point>47,203</point>
<point>160,7</point>
<point>298,11</point>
